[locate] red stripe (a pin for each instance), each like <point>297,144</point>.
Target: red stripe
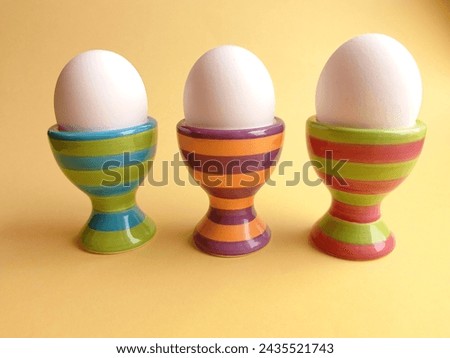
<point>367,153</point>
<point>361,186</point>
<point>353,213</point>
<point>350,251</point>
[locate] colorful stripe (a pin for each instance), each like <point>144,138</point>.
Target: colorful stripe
<point>355,213</point>
<point>352,251</point>
<point>110,191</point>
<point>377,161</point>
<point>230,232</point>
<point>365,136</point>
<point>238,180</point>
<point>112,176</point>
<point>361,186</point>
<point>232,217</point>
<point>83,148</point>
<point>56,133</point>
<point>206,133</point>
<point>230,204</point>
<point>231,147</point>
<point>99,162</point>
<point>237,248</point>
<point>356,199</point>
<point>234,193</point>
<point>116,223</point>
<point>367,153</point>
<point>110,204</point>
<point>231,166</point>
<point>353,233</point>
<point>111,242</point>
<point>365,171</point>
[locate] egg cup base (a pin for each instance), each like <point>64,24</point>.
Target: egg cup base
<point>116,241</point>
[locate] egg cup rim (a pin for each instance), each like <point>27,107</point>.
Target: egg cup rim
<point>419,128</point>
<point>245,133</point>
<point>55,133</point>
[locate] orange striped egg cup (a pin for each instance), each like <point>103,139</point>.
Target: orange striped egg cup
<point>372,163</point>
<point>231,166</point>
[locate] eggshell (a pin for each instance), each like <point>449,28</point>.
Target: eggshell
<point>229,88</point>
<point>99,90</point>
<point>371,81</point>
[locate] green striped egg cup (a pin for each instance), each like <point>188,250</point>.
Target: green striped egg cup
<point>109,166</point>
<point>359,167</point>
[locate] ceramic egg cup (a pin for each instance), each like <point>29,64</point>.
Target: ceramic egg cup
<point>377,162</point>
<point>231,166</point>
<point>109,166</point>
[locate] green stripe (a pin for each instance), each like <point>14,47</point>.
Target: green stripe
<point>365,136</point>
<point>110,204</point>
<point>118,145</point>
<point>356,199</point>
<point>97,162</point>
<point>354,233</point>
<point>115,176</point>
<point>110,242</point>
<point>365,171</point>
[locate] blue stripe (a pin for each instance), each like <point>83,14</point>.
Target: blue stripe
<point>97,163</point>
<point>55,133</point>
<point>100,190</point>
<point>117,221</point>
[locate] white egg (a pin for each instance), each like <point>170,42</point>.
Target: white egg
<point>371,81</point>
<point>99,90</point>
<point>229,88</point>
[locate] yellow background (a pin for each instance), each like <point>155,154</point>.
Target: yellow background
<point>49,287</point>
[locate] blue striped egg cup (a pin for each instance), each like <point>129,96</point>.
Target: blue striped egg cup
<point>109,166</point>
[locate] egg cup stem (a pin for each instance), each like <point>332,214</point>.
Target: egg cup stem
<point>116,224</point>
<point>352,236</point>
<point>231,228</point>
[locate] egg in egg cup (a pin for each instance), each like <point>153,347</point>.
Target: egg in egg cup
<point>109,166</point>
<point>376,162</point>
<point>231,166</point>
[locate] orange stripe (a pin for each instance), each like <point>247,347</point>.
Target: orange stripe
<point>230,204</point>
<point>231,233</point>
<point>230,147</point>
<point>240,180</point>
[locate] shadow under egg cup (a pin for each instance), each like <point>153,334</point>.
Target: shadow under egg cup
<point>231,166</point>
<point>376,162</point>
<point>109,166</point>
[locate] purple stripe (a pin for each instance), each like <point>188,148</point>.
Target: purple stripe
<point>233,193</point>
<point>231,217</point>
<point>223,248</point>
<point>231,165</point>
<point>206,133</point>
